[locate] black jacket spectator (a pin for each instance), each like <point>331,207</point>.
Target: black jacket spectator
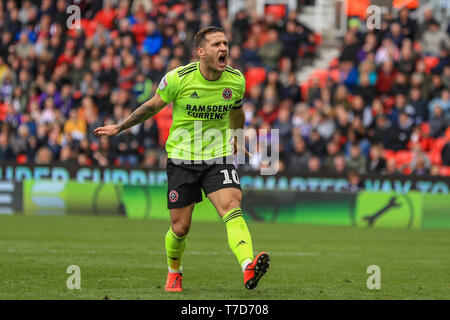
<point>419,104</point>
<point>291,40</point>
<point>148,134</point>
<point>387,134</point>
<point>446,154</point>
<point>299,158</point>
<point>438,123</point>
<point>317,144</point>
<point>6,152</point>
<point>376,165</point>
<point>350,49</point>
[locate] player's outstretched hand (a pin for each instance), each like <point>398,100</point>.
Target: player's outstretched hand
<point>109,130</point>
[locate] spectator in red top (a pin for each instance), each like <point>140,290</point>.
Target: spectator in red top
<point>128,73</point>
<point>106,15</point>
<point>268,113</point>
<point>139,30</point>
<point>115,30</point>
<point>4,106</point>
<point>68,55</point>
<point>123,10</point>
<point>386,77</point>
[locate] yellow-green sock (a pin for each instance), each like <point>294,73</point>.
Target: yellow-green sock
<point>175,246</point>
<point>239,238</point>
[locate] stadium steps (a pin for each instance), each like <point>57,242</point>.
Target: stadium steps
<point>324,56</point>
<point>328,50</point>
<point>321,21</point>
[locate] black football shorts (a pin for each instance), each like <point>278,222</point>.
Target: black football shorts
<point>186,180</point>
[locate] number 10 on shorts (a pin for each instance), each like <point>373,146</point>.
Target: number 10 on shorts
<point>227,179</point>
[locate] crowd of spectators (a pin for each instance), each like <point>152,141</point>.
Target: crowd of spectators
<point>382,106</point>
<point>58,84</point>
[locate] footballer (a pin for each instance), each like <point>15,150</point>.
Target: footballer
<point>206,95</point>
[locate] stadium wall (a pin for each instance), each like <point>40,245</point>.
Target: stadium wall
<point>390,202</point>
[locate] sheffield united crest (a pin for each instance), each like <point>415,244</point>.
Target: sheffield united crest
<point>227,94</point>
<point>173,196</point>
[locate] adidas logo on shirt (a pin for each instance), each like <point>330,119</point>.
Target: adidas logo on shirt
<point>241,242</point>
<point>194,95</point>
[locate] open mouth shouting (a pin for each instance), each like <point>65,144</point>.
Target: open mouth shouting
<point>223,60</point>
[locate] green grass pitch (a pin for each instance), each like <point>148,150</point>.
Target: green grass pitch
<point>122,258</point>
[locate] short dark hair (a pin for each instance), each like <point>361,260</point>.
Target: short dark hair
<point>352,173</point>
<point>200,36</point>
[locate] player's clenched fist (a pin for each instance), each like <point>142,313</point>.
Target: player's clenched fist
<point>109,130</point>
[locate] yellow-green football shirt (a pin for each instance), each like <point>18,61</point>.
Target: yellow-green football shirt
<point>200,111</point>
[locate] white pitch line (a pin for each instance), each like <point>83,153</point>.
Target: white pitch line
<point>216,253</point>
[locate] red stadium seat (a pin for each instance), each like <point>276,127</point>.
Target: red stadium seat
<point>426,143</point>
<point>357,8</point>
<point>22,158</point>
<point>321,75</point>
<point>435,157</point>
<point>430,62</point>
<point>403,157</point>
<point>317,39</point>
<point>277,10</point>
<point>438,144</point>
<point>178,8</point>
<point>334,63</point>
<point>304,87</point>
<point>335,75</point>
<point>444,171</point>
<point>417,46</point>
<point>447,134</point>
<point>158,2</point>
<point>410,4</point>
<point>407,170</point>
<point>388,154</point>
<point>254,76</point>
<point>425,128</point>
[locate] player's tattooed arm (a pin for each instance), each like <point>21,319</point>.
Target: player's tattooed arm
<point>139,115</point>
<point>144,112</point>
